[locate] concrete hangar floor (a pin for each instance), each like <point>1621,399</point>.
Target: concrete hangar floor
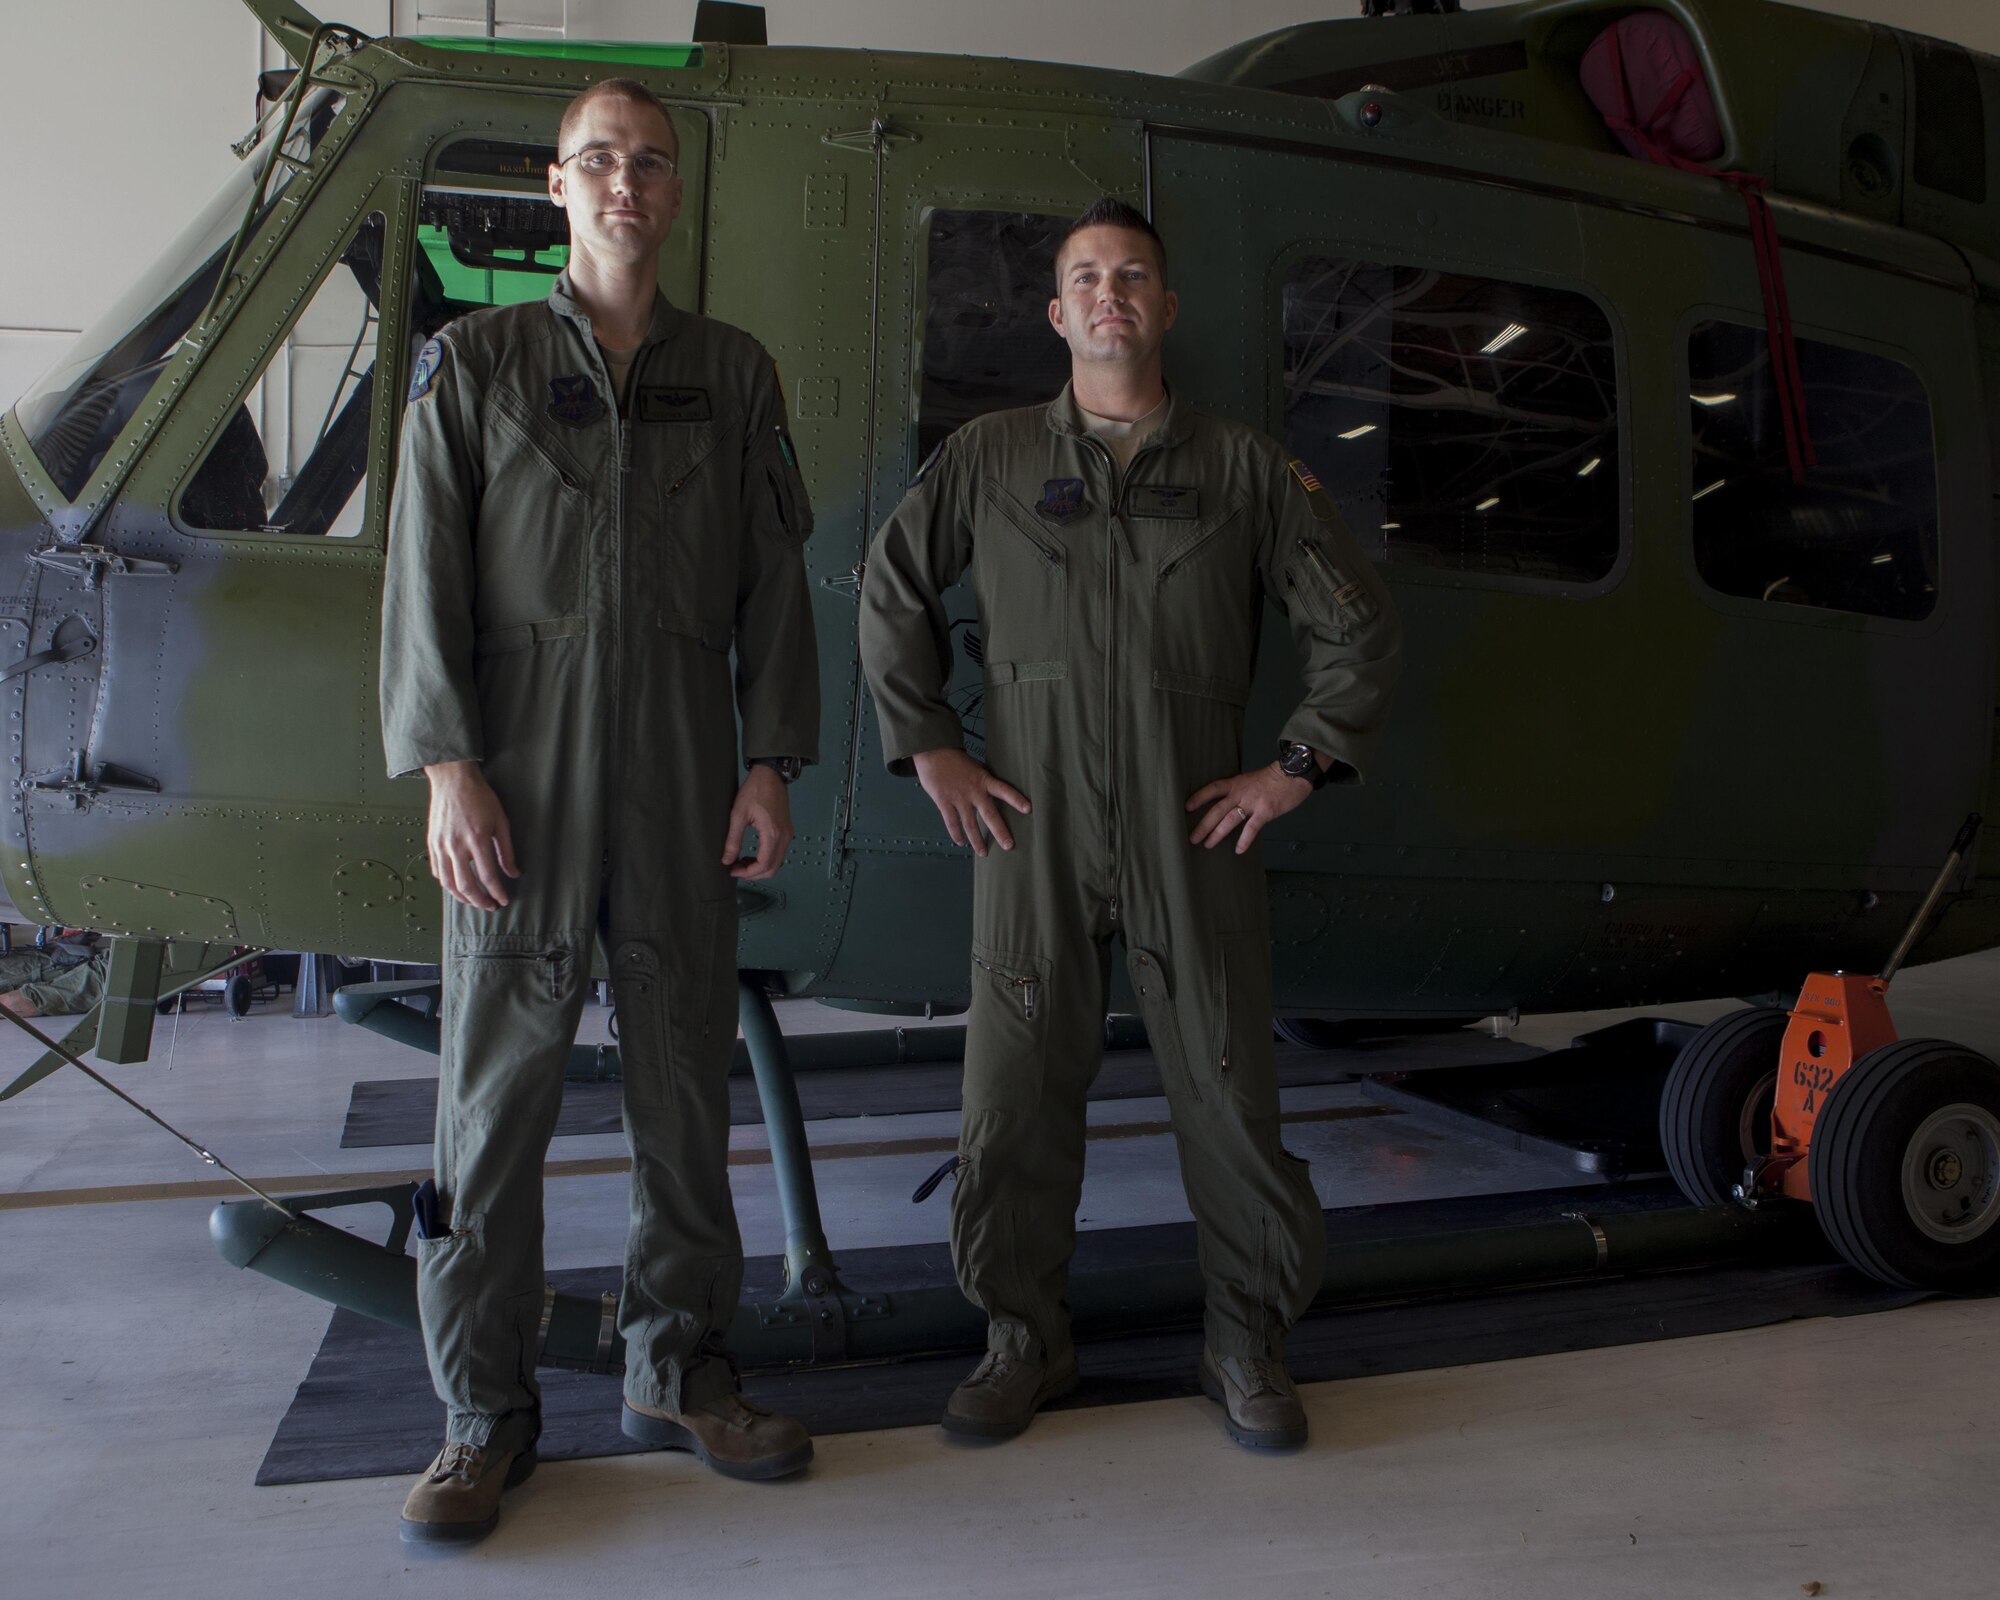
<point>144,1379</point>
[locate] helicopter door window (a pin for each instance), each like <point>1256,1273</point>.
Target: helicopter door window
<point>1861,533</point>
<point>1461,423</point>
<point>487,232</point>
<point>987,341</point>
<point>293,456</point>
<point>74,414</point>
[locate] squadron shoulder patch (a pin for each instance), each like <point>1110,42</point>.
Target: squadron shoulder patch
<point>574,401</point>
<point>429,360</point>
<point>1062,499</point>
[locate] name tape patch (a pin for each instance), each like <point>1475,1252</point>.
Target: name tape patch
<point>1161,500</point>
<point>670,403</point>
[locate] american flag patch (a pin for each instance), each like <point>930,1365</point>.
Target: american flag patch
<point>1305,476</point>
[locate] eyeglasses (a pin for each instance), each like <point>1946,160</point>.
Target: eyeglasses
<point>601,162</point>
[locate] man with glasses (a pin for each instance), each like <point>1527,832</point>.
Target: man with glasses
<point>597,499</point>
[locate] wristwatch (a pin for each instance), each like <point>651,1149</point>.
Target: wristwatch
<point>1297,760</point>
<point>787,768</point>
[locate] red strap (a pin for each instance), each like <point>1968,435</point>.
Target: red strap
<point>1785,373</point>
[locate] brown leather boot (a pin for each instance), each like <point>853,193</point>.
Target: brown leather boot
<point>731,1435</point>
<point>457,1499</point>
<point>1000,1397</point>
<point>1262,1408</point>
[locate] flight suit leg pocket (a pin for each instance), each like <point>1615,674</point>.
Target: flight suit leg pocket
<point>1006,1035</point>
<point>675,993</point>
<point>1244,1063</point>
<point>645,1017</point>
<point>1153,984</point>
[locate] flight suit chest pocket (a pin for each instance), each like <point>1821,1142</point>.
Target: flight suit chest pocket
<point>688,560</point>
<point>1205,610</point>
<point>1020,572</point>
<point>533,525</point>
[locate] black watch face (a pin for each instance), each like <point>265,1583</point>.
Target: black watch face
<point>1296,761</point>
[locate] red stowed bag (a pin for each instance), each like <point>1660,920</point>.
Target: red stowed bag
<point>1645,77</point>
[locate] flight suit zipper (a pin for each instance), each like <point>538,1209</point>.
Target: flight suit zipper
<point>1121,542</point>
<point>621,435</point>
<point>1112,530</point>
<point>1026,989</point>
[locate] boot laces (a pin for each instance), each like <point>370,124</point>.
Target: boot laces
<point>993,1372</point>
<point>459,1461</point>
<point>738,1412</point>
<point>1262,1376</point>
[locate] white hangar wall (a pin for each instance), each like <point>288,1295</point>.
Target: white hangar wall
<point>120,112</point>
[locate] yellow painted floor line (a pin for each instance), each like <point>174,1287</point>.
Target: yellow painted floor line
<point>589,1167</point>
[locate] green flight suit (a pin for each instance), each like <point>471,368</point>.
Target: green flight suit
<point>64,981</point>
<point>564,587</point>
<point>1119,616</point>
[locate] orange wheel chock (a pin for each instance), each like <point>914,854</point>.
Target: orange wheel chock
<point>1840,1017</point>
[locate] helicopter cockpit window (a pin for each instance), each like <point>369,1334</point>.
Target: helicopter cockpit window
<point>987,340</point>
<point>1461,423</point>
<point>1861,533</point>
<point>77,411</point>
<point>293,457</point>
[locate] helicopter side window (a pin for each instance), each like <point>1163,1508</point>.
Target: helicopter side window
<point>293,456</point>
<point>1461,423</point>
<point>1861,533</point>
<point>987,341</point>
<point>77,411</point>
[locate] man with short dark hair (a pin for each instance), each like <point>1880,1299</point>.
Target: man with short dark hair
<point>597,500</point>
<point>1121,547</point>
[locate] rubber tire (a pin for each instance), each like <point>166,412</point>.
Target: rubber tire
<point>1701,1106</point>
<point>236,996</point>
<point>1856,1164</point>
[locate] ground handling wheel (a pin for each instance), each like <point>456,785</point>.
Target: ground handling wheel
<point>1715,1111</point>
<point>236,995</point>
<point>1905,1166</point>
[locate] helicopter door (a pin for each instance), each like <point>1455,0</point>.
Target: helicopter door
<point>968,210</point>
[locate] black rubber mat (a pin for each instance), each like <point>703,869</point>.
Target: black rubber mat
<point>366,1407</point>
<point>396,1111</point>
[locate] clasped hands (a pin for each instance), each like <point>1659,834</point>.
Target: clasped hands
<point>472,847</point>
<point>969,799</point>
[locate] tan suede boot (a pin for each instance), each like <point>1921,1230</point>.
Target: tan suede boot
<point>458,1497</point>
<point>1000,1397</point>
<point>737,1439</point>
<point>1261,1406</point>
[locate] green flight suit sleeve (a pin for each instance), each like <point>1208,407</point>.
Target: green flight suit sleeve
<point>777,659</point>
<point>1343,622</point>
<point>905,636</point>
<point>430,709</point>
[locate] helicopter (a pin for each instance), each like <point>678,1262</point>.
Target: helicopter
<point>1686,713</point>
